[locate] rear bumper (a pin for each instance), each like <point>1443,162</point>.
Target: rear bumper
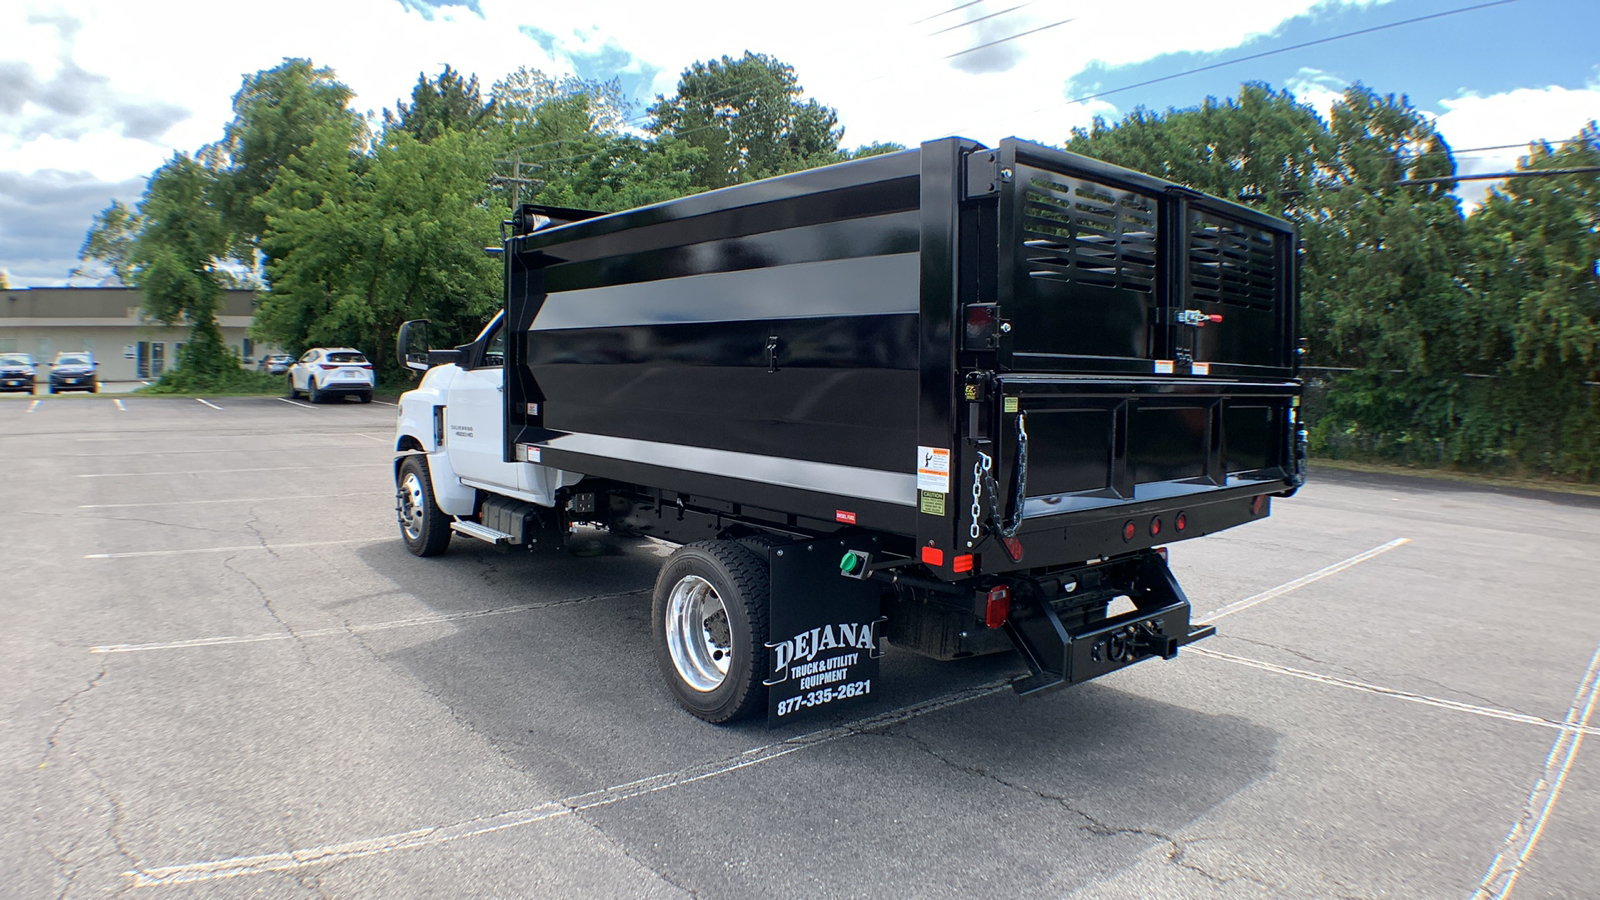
<point>346,387</point>
<point>1059,654</point>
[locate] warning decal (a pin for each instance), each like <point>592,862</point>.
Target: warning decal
<point>932,503</point>
<point>933,470</point>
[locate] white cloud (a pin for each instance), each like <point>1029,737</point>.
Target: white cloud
<point>1514,117</point>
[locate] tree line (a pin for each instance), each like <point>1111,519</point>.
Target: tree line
<point>1436,334</point>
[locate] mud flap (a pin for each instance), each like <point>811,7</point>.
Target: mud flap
<point>824,629</point>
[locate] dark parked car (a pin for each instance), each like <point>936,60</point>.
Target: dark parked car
<point>275,363</point>
<point>74,371</point>
<point>16,372</point>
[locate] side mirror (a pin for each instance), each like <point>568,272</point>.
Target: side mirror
<point>411,345</point>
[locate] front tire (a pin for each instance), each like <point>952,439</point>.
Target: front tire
<point>709,625</point>
<point>294,394</point>
<point>423,526</point>
<point>316,395</point>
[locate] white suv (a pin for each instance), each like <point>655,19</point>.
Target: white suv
<point>330,372</point>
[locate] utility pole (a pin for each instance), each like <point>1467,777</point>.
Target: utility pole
<point>516,180</point>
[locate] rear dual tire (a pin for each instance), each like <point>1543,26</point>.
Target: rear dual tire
<point>709,626</point>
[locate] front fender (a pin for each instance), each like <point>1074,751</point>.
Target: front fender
<point>414,431</point>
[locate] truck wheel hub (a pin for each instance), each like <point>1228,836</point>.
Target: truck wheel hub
<point>698,636</point>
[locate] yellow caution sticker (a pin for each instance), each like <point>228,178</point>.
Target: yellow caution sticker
<point>1011,404</point>
<point>932,503</point>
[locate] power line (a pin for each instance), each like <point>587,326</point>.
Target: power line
<point>980,19</point>
<point>1036,31</point>
<point>1497,176</point>
<point>945,13</point>
<point>1521,146</point>
<point>1300,46</point>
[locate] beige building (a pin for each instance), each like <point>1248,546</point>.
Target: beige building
<point>106,322</point>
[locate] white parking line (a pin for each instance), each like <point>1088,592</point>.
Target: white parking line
<point>231,500</point>
<point>1507,865</point>
<point>34,405</point>
<point>131,554</point>
<point>318,468</point>
<point>1302,581</point>
<point>441,619</point>
<point>119,405</point>
<point>295,403</point>
<point>208,403</point>
<point>1365,687</point>
<point>434,835</point>
<point>373,437</point>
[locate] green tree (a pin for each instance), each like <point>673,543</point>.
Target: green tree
<point>356,245</point>
<point>177,261</point>
<point>447,103</point>
<point>109,245</point>
<point>276,114</point>
<point>748,117</point>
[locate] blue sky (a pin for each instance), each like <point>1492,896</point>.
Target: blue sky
<point>79,125</point>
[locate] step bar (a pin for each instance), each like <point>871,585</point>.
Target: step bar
<point>481,532</point>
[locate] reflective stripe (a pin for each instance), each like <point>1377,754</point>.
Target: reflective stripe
<point>846,481</point>
<point>862,286</point>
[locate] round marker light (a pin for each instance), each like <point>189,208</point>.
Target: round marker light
<point>1255,504</point>
<point>1128,531</point>
<point>1181,522</point>
<point>1155,526</point>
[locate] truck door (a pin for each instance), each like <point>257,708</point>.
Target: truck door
<point>475,416</point>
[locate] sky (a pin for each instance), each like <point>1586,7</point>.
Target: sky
<point>96,94</point>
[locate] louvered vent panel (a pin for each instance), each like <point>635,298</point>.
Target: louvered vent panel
<point>1080,232</point>
<point>1230,263</point>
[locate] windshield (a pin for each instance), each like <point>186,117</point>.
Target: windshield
<point>73,361</point>
<point>14,359</point>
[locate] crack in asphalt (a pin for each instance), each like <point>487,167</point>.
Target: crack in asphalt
<point>66,874</point>
<point>266,600</point>
<point>1178,848</point>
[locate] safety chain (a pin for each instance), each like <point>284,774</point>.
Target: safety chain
<point>980,471</point>
<point>983,480</point>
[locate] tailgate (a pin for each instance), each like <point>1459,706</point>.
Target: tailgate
<point>1144,364</point>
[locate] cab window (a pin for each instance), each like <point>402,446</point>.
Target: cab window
<point>494,349</point>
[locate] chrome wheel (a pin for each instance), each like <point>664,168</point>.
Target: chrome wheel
<point>698,637</point>
<point>412,506</point>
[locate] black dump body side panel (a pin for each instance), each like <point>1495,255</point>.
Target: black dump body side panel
<point>795,350</point>
<point>756,344</point>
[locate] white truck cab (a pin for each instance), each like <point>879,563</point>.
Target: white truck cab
<point>449,444</point>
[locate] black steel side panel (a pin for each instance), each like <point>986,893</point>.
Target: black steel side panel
<point>761,341</point>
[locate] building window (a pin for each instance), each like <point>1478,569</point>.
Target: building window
<point>247,349</point>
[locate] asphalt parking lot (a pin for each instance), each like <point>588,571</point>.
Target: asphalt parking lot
<point>224,676</point>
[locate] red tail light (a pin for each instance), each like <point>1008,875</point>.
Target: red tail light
<point>366,365</point>
<point>998,608</point>
<point>982,321</point>
<point>329,367</point>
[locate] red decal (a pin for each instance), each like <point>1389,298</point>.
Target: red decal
<point>849,518</point>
